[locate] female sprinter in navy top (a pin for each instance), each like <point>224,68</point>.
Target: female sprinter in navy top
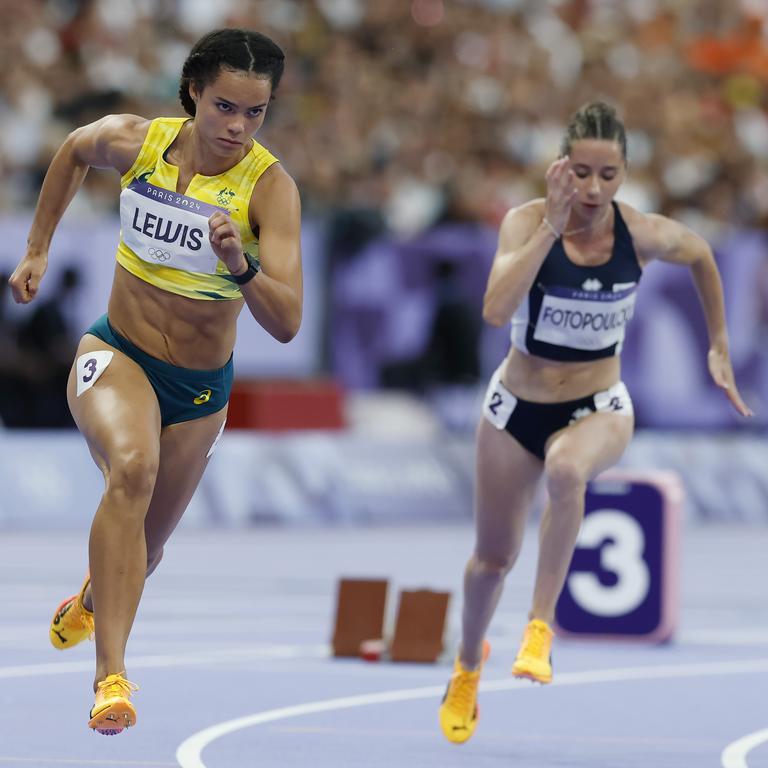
<point>565,273</point>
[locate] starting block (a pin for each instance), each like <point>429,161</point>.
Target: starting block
<point>360,619</point>
<point>622,583</point>
<point>420,626</point>
<point>360,607</point>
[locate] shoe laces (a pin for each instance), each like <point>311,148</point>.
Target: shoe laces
<point>462,691</point>
<point>537,639</point>
<point>116,685</point>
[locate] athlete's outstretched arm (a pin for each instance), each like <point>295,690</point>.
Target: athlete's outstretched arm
<point>672,242</point>
<point>275,295</point>
<point>525,238</point>
<point>111,142</point>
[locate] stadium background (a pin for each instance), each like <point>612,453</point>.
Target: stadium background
<point>410,128</point>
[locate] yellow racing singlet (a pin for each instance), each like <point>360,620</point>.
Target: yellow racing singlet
<point>164,234</point>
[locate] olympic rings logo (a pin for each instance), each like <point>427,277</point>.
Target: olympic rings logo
<point>159,254</point>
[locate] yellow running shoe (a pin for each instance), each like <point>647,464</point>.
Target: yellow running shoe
<point>73,622</point>
<point>534,659</point>
<point>459,710</point>
<point>112,711</point>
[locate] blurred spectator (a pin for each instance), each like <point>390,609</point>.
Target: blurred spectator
<point>452,354</point>
<point>14,392</point>
<point>47,343</point>
<point>450,357</point>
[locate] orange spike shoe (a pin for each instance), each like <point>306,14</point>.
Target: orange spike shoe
<point>112,710</point>
<point>534,659</point>
<point>73,622</point>
<point>459,711</point>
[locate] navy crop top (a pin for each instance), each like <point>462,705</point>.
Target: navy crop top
<point>575,313</point>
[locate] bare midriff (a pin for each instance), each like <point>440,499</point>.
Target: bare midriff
<point>190,333</point>
<point>551,381</point>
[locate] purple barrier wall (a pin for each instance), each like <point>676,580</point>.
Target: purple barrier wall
<point>386,299</point>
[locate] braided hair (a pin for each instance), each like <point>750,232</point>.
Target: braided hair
<point>239,50</point>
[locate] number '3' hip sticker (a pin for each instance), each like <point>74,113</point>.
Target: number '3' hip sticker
<point>89,367</point>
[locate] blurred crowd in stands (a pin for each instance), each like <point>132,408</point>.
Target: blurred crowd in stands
<point>398,116</point>
<point>421,109</point>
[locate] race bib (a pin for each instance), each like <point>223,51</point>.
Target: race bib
<point>588,320</point>
<point>499,402</point>
<point>167,228</point>
<point>614,400</point>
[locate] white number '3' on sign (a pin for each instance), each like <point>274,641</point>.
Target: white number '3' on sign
<point>622,556</point>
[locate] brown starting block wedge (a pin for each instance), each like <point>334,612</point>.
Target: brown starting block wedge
<point>419,626</point>
<point>360,608</point>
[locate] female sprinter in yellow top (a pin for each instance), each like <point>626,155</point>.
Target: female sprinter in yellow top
<point>210,221</point>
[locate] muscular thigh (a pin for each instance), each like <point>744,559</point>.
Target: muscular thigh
<point>506,480</point>
<point>184,452</point>
<point>113,404</point>
<point>592,444</point>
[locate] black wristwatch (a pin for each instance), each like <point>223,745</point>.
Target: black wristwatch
<point>253,267</point>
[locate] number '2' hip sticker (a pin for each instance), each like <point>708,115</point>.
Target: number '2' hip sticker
<point>89,367</point>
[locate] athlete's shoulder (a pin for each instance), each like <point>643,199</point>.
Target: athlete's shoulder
<point>520,222</point>
<point>533,209</point>
<point>275,181</point>
<point>632,217</point>
<point>112,141</point>
<point>275,192</point>
<point>654,235</point>
<point>525,215</point>
<point>125,126</point>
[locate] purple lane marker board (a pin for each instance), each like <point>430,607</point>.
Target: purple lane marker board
<point>623,579</point>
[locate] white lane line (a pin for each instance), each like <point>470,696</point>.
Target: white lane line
<point>271,652</point>
<point>189,753</point>
<point>735,754</point>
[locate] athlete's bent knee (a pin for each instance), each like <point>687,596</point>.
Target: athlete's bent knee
<point>131,476</point>
<point>493,566</point>
<point>563,476</point>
